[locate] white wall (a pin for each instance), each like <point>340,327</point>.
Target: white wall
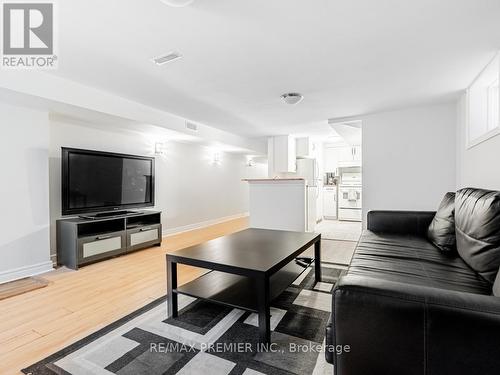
<point>190,189</point>
<point>478,165</point>
<point>24,197</point>
<point>409,158</point>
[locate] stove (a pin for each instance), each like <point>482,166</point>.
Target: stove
<point>350,197</point>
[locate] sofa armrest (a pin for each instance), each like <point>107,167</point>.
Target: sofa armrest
<point>397,328</point>
<point>400,222</point>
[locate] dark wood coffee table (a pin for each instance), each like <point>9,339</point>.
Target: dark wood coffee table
<point>248,269</point>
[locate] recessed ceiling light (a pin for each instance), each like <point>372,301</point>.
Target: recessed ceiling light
<point>163,59</point>
<point>292,98</point>
<point>177,3</point>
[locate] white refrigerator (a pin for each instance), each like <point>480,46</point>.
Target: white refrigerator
<point>308,169</point>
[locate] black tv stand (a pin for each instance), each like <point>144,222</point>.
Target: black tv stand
<point>109,214</point>
<point>85,240</point>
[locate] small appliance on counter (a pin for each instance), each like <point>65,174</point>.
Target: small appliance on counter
<point>330,179</point>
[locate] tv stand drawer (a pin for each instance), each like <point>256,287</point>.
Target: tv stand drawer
<point>143,236</point>
<point>101,246</point>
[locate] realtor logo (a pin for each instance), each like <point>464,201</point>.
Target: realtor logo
<point>28,35</point>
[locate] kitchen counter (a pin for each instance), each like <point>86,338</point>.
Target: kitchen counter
<point>273,179</point>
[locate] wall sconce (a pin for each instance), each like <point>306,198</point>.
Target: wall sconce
<point>250,162</point>
<point>159,148</point>
<point>216,157</point>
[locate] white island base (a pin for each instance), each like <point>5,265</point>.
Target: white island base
<point>279,204</point>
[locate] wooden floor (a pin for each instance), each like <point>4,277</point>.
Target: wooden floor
<point>76,303</point>
<point>14,288</point>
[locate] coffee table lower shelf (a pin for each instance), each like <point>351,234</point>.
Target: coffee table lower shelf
<point>238,291</point>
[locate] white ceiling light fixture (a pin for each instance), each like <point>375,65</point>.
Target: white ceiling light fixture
<point>177,3</point>
<point>292,98</point>
<point>169,57</point>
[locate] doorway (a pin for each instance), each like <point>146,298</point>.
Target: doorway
<point>341,223</point>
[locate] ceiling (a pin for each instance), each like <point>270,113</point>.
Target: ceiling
<point>346,57</point>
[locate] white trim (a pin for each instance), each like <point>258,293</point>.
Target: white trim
<point>470,143</point>
<point>203,224</point>
<point>482,138</point>
<point>26,271</point>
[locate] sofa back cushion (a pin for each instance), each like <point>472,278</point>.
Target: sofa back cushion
<point>477,225</point>
<point>441,232</point>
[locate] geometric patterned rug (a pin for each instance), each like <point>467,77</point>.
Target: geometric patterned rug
<point>208,338</point>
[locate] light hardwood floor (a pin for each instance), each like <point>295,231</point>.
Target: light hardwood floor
<point>78,303</point>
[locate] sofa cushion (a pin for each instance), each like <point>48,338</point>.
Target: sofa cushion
<point>413,260</point>
<point>496,285</point>
<point>441,232</point>
<point>477,220</point>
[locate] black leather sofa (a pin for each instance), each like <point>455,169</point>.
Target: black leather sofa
<point>406,308</point>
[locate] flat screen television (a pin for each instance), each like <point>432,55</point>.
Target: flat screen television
<point>95,181</point>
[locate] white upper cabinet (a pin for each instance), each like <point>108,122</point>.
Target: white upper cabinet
<point>357,153</point>
<point>343,156</point>
<point>346,154</point>
<point>304,147</point>
<point>331,157</point>
<point>282,153</point>
<point>351,153</point>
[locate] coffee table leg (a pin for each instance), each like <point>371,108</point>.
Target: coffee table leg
<point>171,284</point>
<point>317,260</point>
<point>264,309</point>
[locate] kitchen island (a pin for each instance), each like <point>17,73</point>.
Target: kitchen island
<point>279,204</point>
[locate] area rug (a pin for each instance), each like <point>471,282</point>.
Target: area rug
<point>209,338</point>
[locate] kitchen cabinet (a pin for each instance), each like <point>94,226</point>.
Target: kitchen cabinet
<point>346,154</point>
<point>331,157</point>
<point>303,147</point>
<point>282,153</point>
<point>356,153</point>
<point>350,153</point>
<point>350,156</point>
<point>330,202</point>
<point>343,156</point>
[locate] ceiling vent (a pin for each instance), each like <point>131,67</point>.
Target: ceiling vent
<point>191,126</point>
<point>171,56</point>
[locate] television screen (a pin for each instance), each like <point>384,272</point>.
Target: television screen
<point>98,181</point>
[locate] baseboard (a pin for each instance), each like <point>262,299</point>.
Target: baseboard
<point>202,224</point>
<point>26,271</point>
